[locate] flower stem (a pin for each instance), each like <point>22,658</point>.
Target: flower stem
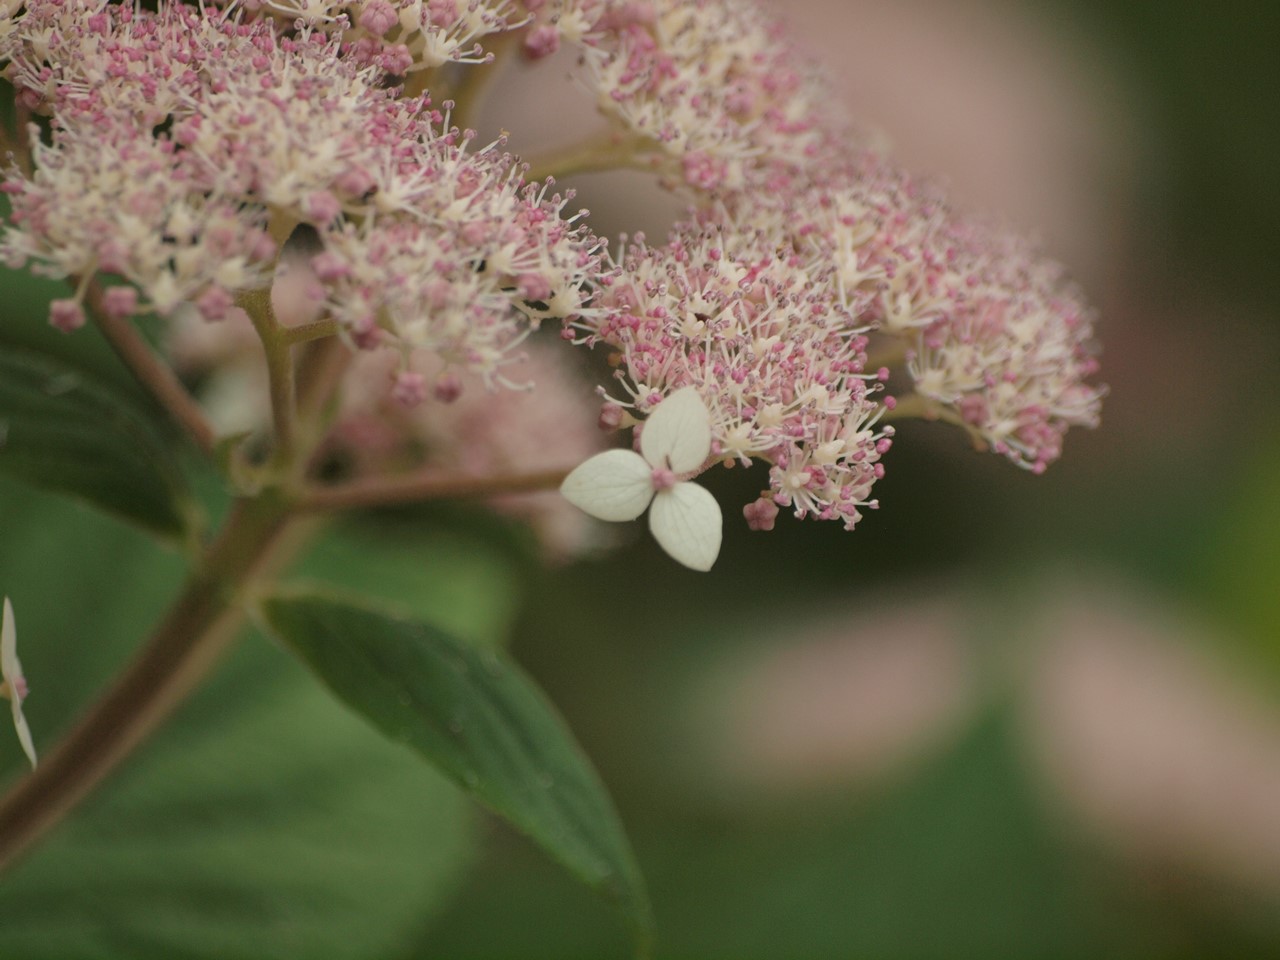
<point>419,488</point>
<point>306,332</point>
<point>197,628</point>
<point>913,406</point>
<point>608,151</point>
<point>280,373</point>
<point>150,371</point>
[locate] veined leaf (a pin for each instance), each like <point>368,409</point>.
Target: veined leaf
<point>480,720</point>
<point>61,431</point>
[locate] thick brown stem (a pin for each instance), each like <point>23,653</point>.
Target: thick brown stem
<point>188,641</point>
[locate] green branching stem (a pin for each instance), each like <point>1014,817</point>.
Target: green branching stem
<point>16,143</point>
<point>307,332</point>
<point>913,406</point>
<point>280,372</point>
<point>611,150</point>
<point>264,527</point>
<point>320,369</point>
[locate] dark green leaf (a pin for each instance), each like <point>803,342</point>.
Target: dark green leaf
<point>477,718</point>
<point>26,327</point>
<point>61,431</point>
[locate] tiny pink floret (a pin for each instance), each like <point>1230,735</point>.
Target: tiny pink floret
<point>66,315</point>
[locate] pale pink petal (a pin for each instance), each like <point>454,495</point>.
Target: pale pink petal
<point>678,432</point>
<point>615,485</point>
<point>686,522</point>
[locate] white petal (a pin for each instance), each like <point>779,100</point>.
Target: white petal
<point>10,668</point>
<point>24,732</point>
<point>615,485</point>
<point>678,432</point>
<point>686,522</point>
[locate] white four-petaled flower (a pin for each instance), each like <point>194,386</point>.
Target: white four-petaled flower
<point>14,685</point>
<point>617,485</point>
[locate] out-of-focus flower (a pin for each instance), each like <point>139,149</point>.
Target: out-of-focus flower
<point>714,90</point>
<point>14,684</point>
<point>995,339</point>
<point>1160,748</point>
<point>618,485</point>
<point>461,427</point>
<point>405,37</point>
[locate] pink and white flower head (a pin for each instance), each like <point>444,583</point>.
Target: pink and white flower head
<point>13,685</point>
<point>761,334</point>
<point>714,87</point>
<point>996,339</point>
<point>188,145</point>
<point>408,36</point>
<point>466,268</point>
<point>618,485</point>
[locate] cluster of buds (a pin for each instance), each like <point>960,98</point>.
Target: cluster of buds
<point>813,293</point>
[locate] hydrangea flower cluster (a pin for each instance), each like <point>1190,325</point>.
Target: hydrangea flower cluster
<point>813,293</point>
<point>715,87</point>
<point>188,146</point>
<point>995,339</point>
<point>759,331</point>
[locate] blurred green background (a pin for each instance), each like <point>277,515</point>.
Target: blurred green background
<point>1008,717</point>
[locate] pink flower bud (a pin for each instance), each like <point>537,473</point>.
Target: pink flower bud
<point>66,315</point>
<point>410,388</point>
<point>120,302</point>
<point>448,388</point>
<point>761,514</point>
<point>542,42</point>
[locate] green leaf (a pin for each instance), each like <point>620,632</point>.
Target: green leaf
<point>481,721</point>
<point>62,431</point>
<point>26,327</point>
<point>265,822</point>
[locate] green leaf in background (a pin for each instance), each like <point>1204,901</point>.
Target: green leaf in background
<point>479,719</point>
<point>1241,569</point>
<point>464,584</point>
<point>61,431</point>
<point>954,862</point>
<point>265,822</point>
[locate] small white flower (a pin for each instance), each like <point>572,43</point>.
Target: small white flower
<point>618,485</point>
<point>14,685</point>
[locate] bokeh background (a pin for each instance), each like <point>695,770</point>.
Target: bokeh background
<point>1008,717</point>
